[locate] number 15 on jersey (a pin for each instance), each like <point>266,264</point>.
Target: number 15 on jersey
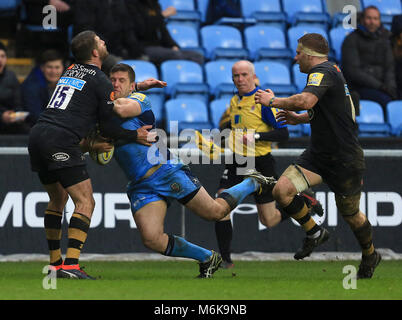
<point>64,91</point>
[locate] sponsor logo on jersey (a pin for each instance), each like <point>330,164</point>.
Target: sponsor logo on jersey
<point>60,156</point>
<point>315,79</point>
<point>72,82</point>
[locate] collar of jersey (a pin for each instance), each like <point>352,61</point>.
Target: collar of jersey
<point>249,94</point>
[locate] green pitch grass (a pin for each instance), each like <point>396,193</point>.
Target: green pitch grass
<point>175,280</point>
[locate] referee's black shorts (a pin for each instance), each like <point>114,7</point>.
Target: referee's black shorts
<point>263,164</point>
<point>55,154</point>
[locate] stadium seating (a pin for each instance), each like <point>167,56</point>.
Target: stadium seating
<point>184,78</point>
<point>294,33</point>
<point>223,42</point>
<point>186,36</point>
<point>299,79</point>
<point>190,114</point>
<point>265,12</point>
<point>275,76</point>
<point>217,108</point>
<point>185,11</point>
<point>144,70</point>
<point>295,131</point>
<point>202,6</point>
<point>337,35</point>
<point>394,116</point>
<point>306,11</point>
<point>219,78</point>
<point>266,42</point>
<point>9,7</point>
<point>371,120</point>
<point>387,8</point>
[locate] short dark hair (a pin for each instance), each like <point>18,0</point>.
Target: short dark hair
<point>50,55</point>
<point>316,42</point>
<point>125,68</point>
<point>370,8</point>
<point>82,45</point>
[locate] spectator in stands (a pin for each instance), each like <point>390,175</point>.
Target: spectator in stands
<point>38,87</point>
<point>110,20</point>
<point>10,99</point>
<point>396,30</point>
<point>367,59</point>
<point>150,29</point>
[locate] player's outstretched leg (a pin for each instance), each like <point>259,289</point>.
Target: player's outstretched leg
<point>150,222</point>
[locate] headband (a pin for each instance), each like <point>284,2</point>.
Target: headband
<point>311,52</point>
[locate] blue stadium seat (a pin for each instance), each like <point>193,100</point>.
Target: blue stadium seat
<point>394,116</point>
<point>144,70</point>
<point>202,6</point>
<point>299,79</point>
<point>306,11</point>
<point>217,108</point>
<point>297,32</point>
<point>222,42</point>
<point>9,7</point>
<point>337,35</point>
<point>190,114</point>
<point>371,120</point>
<point>185,11</point>
<point>295,131</point>
<point>186,36</point>
<point>263,11</point>
<point>219,77</point>
<point>275,76</point>
<point>184,77</point>
<point>388,8</point>
<point>266,42</point>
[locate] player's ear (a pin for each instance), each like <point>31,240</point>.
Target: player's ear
<point>132,86</point>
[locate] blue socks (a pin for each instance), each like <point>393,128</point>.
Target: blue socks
<point>236,194</point>
<point>180,247</point>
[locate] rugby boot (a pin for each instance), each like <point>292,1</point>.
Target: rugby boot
<point>312,203</point>
<point>266,183</point>
<point>309,244</point>
<point>74,272</point>
<point>56,271</point>
<point>208,268</point>
<point>368,265</point>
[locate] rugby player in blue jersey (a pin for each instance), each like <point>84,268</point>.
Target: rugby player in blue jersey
<point>154,182</point>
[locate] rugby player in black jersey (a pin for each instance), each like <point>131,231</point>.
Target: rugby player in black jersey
<point>334,154</point>
<point>83,97</point>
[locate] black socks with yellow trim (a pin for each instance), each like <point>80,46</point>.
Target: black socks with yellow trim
<point>52,222</point>
<point>77,235</point>
<point>298,210</point>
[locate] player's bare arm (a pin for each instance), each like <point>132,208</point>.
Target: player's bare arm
<point>126,108</point>
<point>291,117</point>
<point>149,84</point>
<point>297,102</point>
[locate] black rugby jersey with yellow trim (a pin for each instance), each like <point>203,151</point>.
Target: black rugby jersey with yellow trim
<point>333,126</point>
<point>246,115</point>
<point>82,97</point>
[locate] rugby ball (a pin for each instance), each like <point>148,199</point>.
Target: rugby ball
<point>102,158</point>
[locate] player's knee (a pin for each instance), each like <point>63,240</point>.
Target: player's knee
<point>282,193</point>
<point>152,241</point>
